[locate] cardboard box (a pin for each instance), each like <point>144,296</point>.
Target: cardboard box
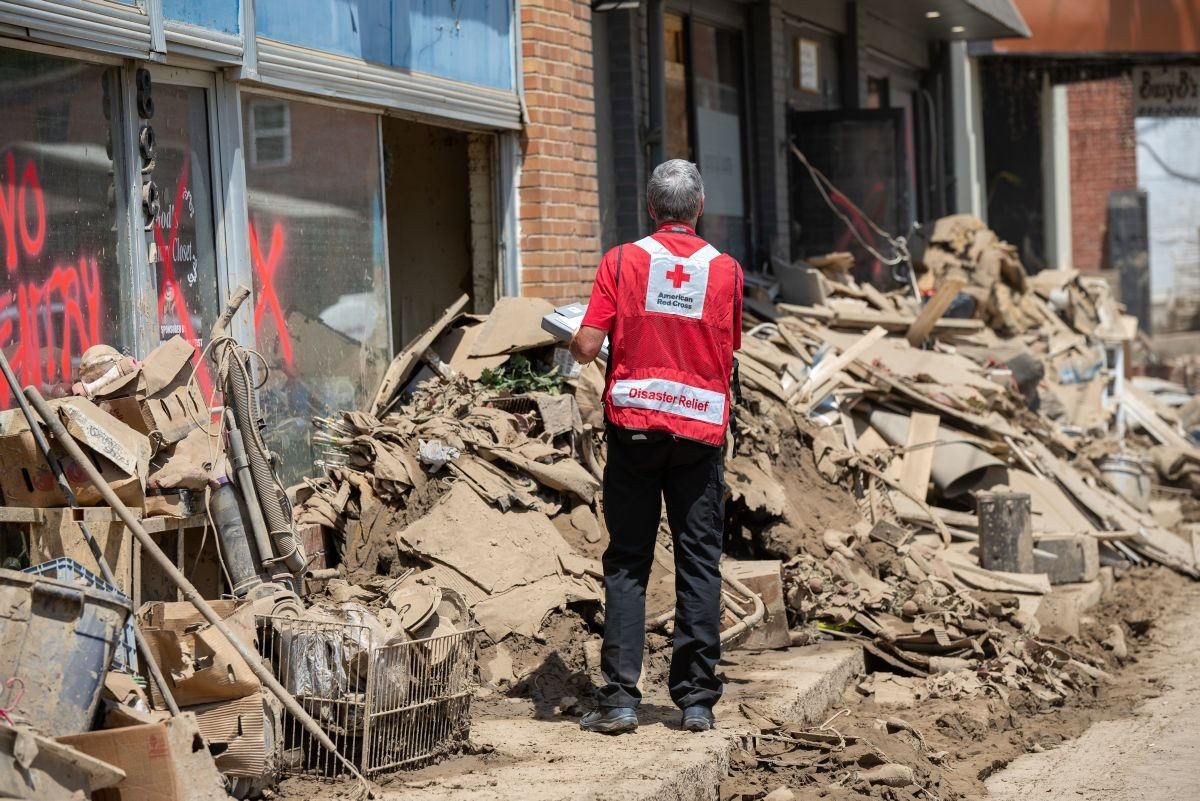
<point>234,731</point>
<point>162,400</point>
<point>199,662</point>
<point>159,760</point>
<point>120,453</point>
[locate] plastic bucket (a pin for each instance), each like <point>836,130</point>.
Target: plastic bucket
<point>58,640</point>
<point>1128,476</point>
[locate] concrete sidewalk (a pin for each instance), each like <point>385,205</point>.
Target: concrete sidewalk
<point>553,760</point>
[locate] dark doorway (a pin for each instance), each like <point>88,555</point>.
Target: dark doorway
<point>864,154</point>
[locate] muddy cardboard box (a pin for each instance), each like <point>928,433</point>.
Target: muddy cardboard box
<point>162,762</point>
<point>121,454</point>
<point>162,400</point>
<point>201,665</point>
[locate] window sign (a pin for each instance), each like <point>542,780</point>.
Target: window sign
<point>1166,92</point>
<point>808,75</point>
<point>320,273</point>
<point>62,285</point>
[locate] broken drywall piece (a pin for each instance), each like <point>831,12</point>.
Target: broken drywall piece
<point>514,325</point>
<point>521,610</point>
<point>495,550</point>
<point>753,482</point>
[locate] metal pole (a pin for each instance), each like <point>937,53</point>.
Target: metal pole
<point>253,660</point>
<point>656,68</point>
<point>65,487</point>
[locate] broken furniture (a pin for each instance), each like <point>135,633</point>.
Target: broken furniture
<point>37,535</point>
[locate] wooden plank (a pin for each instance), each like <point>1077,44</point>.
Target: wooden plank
<point>892,321</point>
<point>921,327</point>
<point>918,463</point>
<point>402,366</point>
<point>1155,426</point>
<point>1151,541</point>
<point>830,366</point>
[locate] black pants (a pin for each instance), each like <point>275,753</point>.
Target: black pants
<point>642,470</point>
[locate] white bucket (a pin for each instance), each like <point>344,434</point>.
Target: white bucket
<point>1129,477</point>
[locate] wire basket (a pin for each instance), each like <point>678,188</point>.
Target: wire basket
<point>384,706</point>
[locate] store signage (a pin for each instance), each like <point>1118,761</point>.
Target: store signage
<point>1166,91</point>
<point>808,76</point>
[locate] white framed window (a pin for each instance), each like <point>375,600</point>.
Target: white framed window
<point>270,124</point>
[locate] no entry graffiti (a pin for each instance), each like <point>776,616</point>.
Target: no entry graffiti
<point>46,319</point>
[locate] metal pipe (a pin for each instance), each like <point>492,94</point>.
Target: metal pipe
<point>242,398</point>
<point>245,481</point>
<point>64,486</point>
<point>252,658</point>
<point>656,67</point>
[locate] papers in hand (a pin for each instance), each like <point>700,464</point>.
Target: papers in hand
<point>564,321</point>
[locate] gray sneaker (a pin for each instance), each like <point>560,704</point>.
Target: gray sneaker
<point>613,720</point>
<point>699,718</point>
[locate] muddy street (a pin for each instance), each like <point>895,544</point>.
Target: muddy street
<point>1150,753</point>
<point>1131,734</point>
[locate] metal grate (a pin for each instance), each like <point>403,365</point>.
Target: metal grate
<point>384,706</point>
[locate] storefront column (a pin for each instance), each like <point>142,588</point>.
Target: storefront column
<point>1056,172</point>
<point>967,132</point>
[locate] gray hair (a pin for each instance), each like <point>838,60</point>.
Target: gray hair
<point>675,191</point>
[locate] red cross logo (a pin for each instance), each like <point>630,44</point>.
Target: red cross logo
<point>678,277</point>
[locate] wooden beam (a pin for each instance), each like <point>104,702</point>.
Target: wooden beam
<point>918,463</point>
<point>402,366</point>
<point>830,366</point>
<point>921,327</point>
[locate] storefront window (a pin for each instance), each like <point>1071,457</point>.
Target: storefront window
<point>62,288</point>
<point>717,87</point>
<point>679,139</point>
<point>186,270</point>
<point>317,252</point>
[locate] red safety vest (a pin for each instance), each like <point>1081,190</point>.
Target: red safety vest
<point>672,342</point>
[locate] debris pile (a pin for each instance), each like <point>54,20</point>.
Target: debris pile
<point>916,477</point>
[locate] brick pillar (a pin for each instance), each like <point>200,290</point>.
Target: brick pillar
<point>1103,158</point>
<point>559,213</point>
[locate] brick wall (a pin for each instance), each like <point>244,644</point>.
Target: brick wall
<point>1103,158</point>
<point>559,214</point>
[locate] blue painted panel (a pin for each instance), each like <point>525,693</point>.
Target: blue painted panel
<point>466,40</point>
<point>360,28</point>
<point>217,15</point>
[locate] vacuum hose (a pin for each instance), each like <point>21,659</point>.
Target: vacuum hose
<point>242,399</point>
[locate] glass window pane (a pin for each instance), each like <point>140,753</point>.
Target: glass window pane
<point>62,291</point>
<point>317,251</point>
<point>188,301</point>
<point>679,141</point>
<point>717,84</point>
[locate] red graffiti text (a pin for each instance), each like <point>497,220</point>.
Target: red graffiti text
<point>266,268</point>
<point>16,195</point>
<point>45,324</point>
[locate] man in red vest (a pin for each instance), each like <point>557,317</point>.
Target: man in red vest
<point>671,306</point>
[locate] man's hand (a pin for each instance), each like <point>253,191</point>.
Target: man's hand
<point>586,344</point>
